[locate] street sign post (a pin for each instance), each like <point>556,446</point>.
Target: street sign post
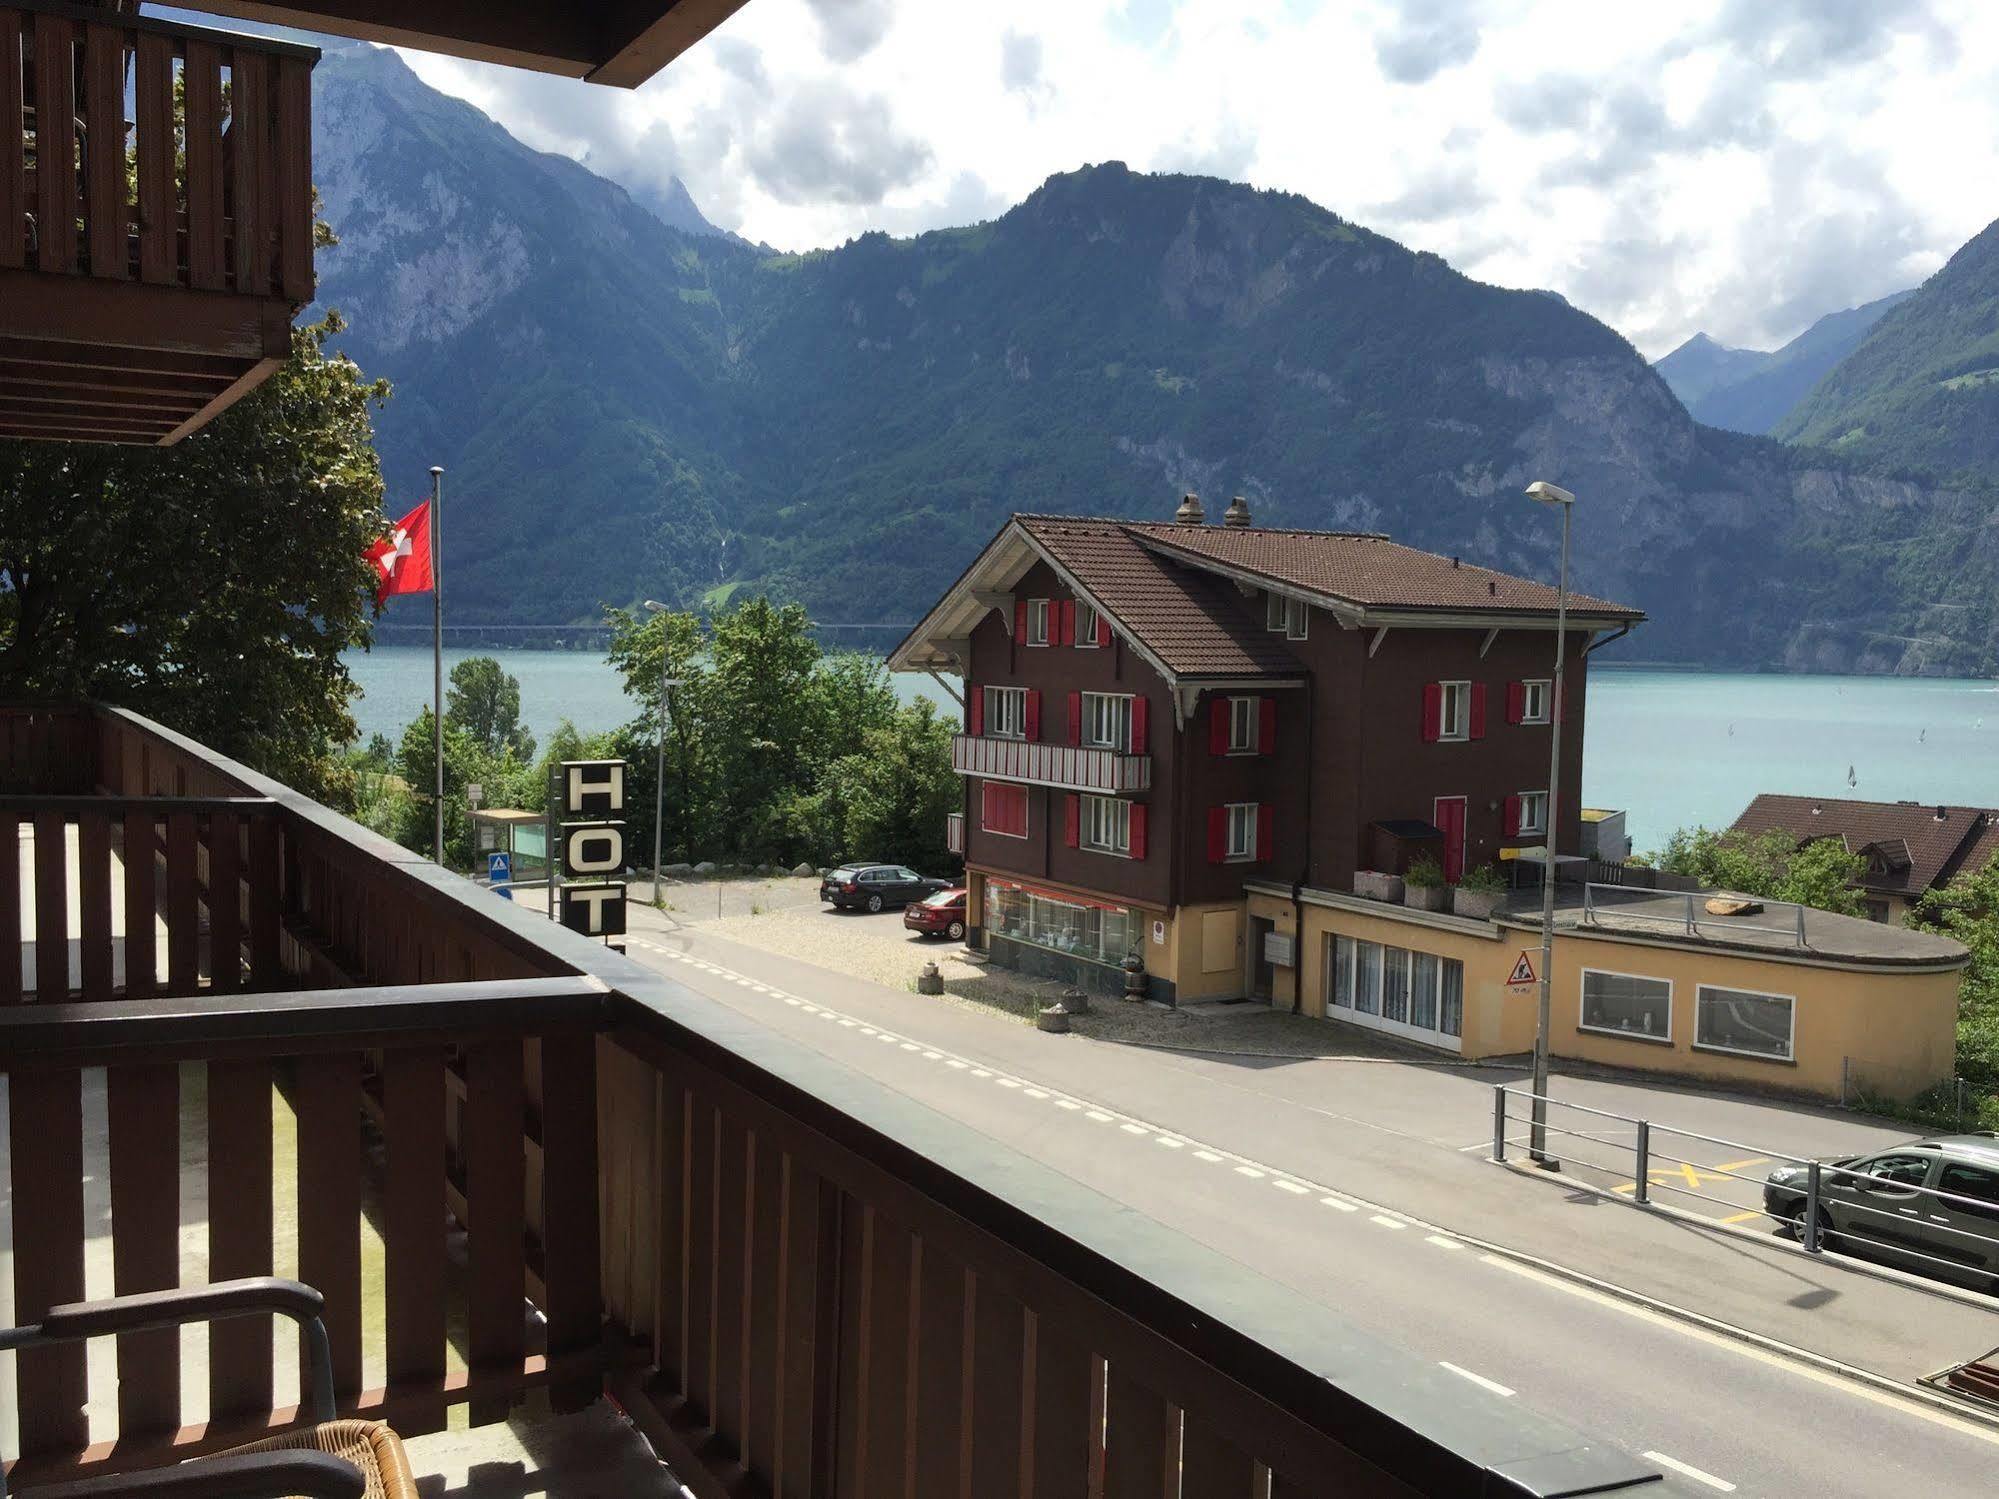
<point>500,873</point>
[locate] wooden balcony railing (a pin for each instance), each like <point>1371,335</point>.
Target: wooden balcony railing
<point>797,1281</point>
<point>1063,765</point>
<point>182,236</point>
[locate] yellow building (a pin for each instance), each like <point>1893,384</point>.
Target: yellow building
<point>1777,997</point>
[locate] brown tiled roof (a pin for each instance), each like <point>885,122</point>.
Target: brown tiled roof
<point>1933,846</point>
<point>1195,622</point>
<point>1368,570</point>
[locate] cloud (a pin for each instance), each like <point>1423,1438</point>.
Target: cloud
<point>1223,150</point>
<point>1427,37</point>
<point>850,29</point>
<point>828,145</point>
<point>1020,63</point>
<point>1449,190</point>
<point>1807,38</point>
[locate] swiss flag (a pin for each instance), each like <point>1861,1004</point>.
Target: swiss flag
<point>402,558</point>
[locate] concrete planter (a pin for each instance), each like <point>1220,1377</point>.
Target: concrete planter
<point>1426,897</point>
<point>1377,886</point>
<point>1477,904</point>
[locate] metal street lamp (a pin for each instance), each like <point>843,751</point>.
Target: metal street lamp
<point>653,606</point>
<point>1537,1142</point>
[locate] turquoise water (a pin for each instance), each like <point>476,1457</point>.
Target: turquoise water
<point>1670,748</point>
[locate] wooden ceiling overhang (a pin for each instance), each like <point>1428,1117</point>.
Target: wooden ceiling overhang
<point>618,42</point>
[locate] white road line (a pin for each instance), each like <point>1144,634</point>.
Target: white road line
<point>1250,1171</point>
<point>1006,1082</point>
<point>1341,1203</point>
<point>931,1056</point>
<point>1385,1221</point>
<point>954,1062</point>
<point>980,1072</point>
<point>1291,1187</point>
<point>1688,1470</point>
<point>1098,1115</point>
<point>1067,1103</point>
<point>911,1046</point>
<point>1206,1155</point>
<point>1444,1242</point>
<point>1479,1379</point>
<point>1034,1093</point>
<point>1169,1142</point>
<point>1134,1129</point>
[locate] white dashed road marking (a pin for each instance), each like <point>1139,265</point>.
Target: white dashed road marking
<point>1490,1384</point>
<point>1443,1241</point>
<point>1688,1470</point>
<point>1292,1187</point>
<point>1386,1222</point>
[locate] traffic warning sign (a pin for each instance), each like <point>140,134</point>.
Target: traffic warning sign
<point>1523,969</point>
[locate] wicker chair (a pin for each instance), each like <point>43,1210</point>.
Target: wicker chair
<point>330,1459</point>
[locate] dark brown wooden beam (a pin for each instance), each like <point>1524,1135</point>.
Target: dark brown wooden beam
<point>15,400</point>
<point>119,359</point>
<point>91,383</point>
<point>622,42</point>
<point>79,310</point>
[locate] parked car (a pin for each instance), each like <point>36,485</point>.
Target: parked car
<point>940,915</point>
<point>1873,1203</point>
<point>875,887</point>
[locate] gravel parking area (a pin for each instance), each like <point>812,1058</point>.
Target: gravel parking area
<point>784,916</point>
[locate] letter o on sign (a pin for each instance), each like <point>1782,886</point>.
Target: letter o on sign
<point>593,850</point>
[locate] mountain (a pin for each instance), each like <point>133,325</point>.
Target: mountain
<point>1752,390</point>
<point>625,410</point>
<point>674,207</point>
<point>1922,390</point>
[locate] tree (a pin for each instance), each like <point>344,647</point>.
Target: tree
<point>1967,909</point>
<point>895,792</point>
<point>211,585</point>
<point>484,704</point>
<point>1772,865</point>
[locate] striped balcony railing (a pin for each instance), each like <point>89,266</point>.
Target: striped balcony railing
<point>1061,765</point>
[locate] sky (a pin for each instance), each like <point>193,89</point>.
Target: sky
<point>1738,167</point>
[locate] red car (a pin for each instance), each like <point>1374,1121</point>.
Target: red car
<point>942,915</point>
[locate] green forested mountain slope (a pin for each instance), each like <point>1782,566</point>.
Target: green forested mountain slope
<point>1752,390</point>
<point>626,410</point>
<point>1922,391</point>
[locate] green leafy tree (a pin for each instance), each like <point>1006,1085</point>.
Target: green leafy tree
<point>895,791</point>
<point>1770,864</point>
<point>212,585</point>
<point>484,703</point>
<point>1967,909</point>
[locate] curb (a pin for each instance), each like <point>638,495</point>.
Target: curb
<point>1295,1056</point>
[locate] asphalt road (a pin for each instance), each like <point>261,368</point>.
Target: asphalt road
<point>1714,1412</point>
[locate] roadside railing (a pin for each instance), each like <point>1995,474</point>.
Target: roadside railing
<point>1684,910</point>
<point>1824,1206</point>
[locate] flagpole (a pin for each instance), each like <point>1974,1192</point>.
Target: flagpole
<point>437,645</point>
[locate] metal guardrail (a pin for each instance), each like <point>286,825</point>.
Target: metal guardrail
<point>1812,1226</point>
<point>1688,914</point>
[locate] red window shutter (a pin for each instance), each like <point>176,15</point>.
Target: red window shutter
<point>1138,830</point>
<point>1433,711</point>
<point>1075,718</point>
<point>1072,820</point>
<point>1139,726</point>
<point>1068,621</point>
<point>986,791</point>
<point>1266,831</point>
<point>1020,621</point>
<point>1512,823</point>
<point>1477,710</point>
<point>1103,629</point>
<point>975,711</point>
<point>1033,715</point>
<point>1516,702</point>
<point>1218,726</point>
<point>1218,834</point>
<point>1266,726</point>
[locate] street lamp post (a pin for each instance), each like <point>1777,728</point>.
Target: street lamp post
<point>1537,1143</point>
<point>659,761</point>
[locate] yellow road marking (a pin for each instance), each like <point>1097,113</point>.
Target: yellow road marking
<point>1740,1217</point>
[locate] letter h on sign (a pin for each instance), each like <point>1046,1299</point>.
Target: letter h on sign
<point>593,788</point>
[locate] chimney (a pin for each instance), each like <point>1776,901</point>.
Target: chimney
<point>1943,813</point>
<point>1492,587</point>
<point>1237,514</point>
<point>1190,512</point>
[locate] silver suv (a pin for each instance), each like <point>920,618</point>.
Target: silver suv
<point>1876,1204</point>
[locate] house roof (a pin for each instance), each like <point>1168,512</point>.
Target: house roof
<point>1921,844</point>
<point>1367,571</point>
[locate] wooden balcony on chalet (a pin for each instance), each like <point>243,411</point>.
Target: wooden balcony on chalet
<point>243,1034</point>
<point>1067,766</point>
<point>150,262</point>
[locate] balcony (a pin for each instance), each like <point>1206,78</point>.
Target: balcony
<point>150,267</point>
<point>1060,765</point>
<point>514,1162</point>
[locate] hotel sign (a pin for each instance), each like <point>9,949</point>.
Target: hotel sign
<point>593,846</point>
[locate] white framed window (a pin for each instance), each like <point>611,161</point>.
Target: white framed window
<point>1381,986</point>
<point>1006,712</point>
<point>1297,619</point>
<point>1106,721</point>
<point>1454,710</point>
<point>1086,626</point>
<point>1626,1004</point>
<point>1242,831</point>
<point>1533,812</point>
<point>1106,825</point>
<point>1039,621</point>
<point>1745,1022</point>
<point>1245,720</point>
<point>1534,701</point>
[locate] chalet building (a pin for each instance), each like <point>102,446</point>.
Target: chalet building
<point>1158,713</point>
<point>1907,847</point>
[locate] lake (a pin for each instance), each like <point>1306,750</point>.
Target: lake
<point>1671,748</point>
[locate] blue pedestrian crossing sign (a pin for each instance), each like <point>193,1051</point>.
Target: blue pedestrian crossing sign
<point>499,868</point>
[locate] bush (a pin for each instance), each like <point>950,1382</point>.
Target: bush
<point>1424,872</point>
<point>1482,877</point>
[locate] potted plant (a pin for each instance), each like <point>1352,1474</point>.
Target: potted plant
<point>1423,887</point>
<point>1375,885</point>
<point>1478,893</point>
